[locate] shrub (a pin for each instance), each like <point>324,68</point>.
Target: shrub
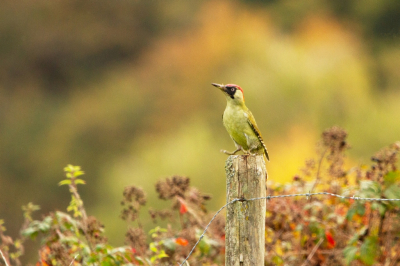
<point>321,230</point>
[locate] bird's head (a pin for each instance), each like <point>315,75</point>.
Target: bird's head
<point>233,92</point>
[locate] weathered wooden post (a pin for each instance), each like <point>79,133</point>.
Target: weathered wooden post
<point>245,220</point>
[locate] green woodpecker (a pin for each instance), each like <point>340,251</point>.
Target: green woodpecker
<point>240,122</point>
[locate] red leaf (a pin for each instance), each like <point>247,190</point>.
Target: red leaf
<point>181,241</point>
<point>329,238</point>
<point>183,208</point>
<point>44,253</point>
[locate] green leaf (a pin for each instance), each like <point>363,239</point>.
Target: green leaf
<point>109,263</point>
<point>71,168</point>
<point>2,227</point>
<point>48,220</point>
<point>353,239</point>
<point>315,227</point>
<point>29,232</point>
<point>370,189</point>
<point>357,208</point>
<point>360,209</point>
<point>71,240</point>
<point>393,192</point>
<point>380,207</point>
<point>350,254</point>
<point>154,230</point>
<point>44,227</point>
<point>139,259</point>
<point>391,178</point>
<point>100,248</point>
<point>80,181</point>
<point>369,250</point>
<point>68,168</point>
<point>78,173</point>
<point>30,207</point>
<point>153,247</point>
<point>65,182</point>
<point>170,244</point>
<point>162,255</point>
<point>204,245</point>
<point>350,213</point>
<point>276,260</point>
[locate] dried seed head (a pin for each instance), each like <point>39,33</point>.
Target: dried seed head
<point>171,187</point>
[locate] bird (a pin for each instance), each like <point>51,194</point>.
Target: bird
<point>240,123</point>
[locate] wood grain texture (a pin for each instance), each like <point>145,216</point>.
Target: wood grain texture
<point>245,221</point>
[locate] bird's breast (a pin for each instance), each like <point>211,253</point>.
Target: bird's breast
<point>235,122</point>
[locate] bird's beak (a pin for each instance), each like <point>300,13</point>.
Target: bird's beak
<point>219,86</point>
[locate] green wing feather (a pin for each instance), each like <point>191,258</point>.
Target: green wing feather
<point>252,122</point>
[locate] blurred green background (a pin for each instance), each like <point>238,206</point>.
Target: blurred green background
<point>123,89</point>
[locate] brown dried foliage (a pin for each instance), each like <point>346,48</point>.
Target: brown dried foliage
<point>171,187</point>
<point>294,226</point>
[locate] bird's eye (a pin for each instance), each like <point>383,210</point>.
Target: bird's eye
<point>232,88</point>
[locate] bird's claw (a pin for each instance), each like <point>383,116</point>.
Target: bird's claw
<point>229,153</point>
<point>226,152</point>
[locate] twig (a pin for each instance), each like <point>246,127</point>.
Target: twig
<point>73,260</point>
<point>74,190</point>
<point>190,210</point>
<point>4,258</point>
<point>319,169</point>
<point>395,259</point>
<point>205,230</point>
<point>313,252</point>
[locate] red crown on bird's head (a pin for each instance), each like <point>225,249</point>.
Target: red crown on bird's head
<point>237,87</point>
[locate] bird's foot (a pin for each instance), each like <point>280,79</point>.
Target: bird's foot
<point>230,153</point>
<point>252,152</point>
<point>246,152</point>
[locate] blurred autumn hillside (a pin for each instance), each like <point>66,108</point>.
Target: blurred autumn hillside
<point>122,88</point>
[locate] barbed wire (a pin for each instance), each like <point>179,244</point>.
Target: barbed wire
<point>308,195</point>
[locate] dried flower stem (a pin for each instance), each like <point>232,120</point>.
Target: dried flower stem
<point>313,252</point>
<point>319,169</point>
<point>4,258</point>
<point>73,260</point>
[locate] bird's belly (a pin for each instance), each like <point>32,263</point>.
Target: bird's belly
<point>237,127</point>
